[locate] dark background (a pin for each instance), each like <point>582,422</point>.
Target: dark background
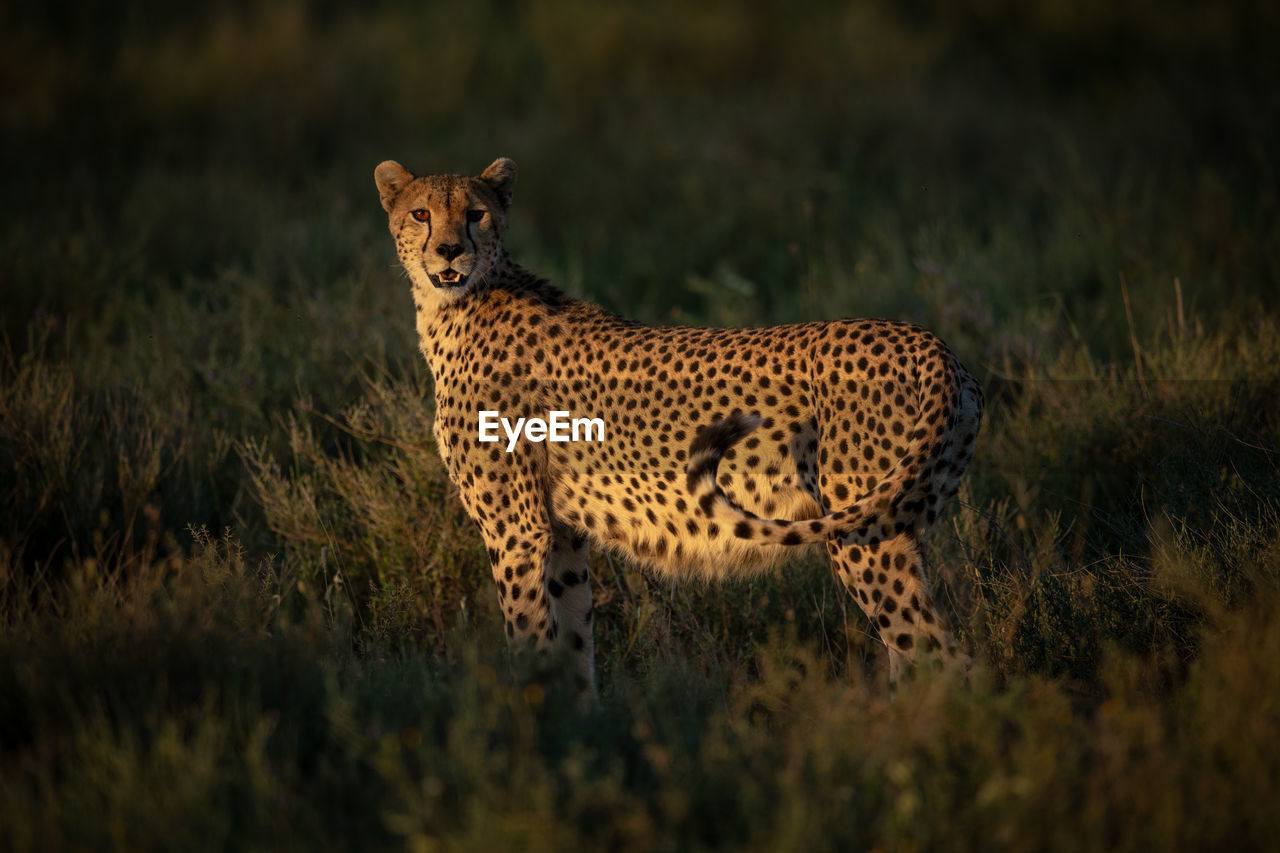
<point>205,330</point>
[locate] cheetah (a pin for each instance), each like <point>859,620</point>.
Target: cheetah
<point>723,449</point>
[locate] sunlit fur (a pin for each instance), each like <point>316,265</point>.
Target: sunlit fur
<point>724,450</point>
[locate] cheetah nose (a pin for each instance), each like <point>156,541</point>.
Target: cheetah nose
<point>449,251</point>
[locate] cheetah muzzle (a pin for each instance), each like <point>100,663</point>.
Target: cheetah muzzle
<point>724,448</point>
<point>448,278</point>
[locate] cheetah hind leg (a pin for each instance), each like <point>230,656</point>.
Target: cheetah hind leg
<point>887,581</point>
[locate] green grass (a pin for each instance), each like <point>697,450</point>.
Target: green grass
<point>204,330</point>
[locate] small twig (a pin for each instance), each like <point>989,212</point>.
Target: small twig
<point>1133,336</point>
<point>1182,320</point>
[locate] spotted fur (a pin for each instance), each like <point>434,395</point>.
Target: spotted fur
<point>724,448</point>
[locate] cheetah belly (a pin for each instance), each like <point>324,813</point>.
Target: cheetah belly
<point>653,522</point>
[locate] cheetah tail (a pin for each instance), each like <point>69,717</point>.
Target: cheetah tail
<point>871,517</point>
<point>710,444</point>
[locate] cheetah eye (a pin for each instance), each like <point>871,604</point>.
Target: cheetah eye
<point>475,215</point>
<point>422,214</point>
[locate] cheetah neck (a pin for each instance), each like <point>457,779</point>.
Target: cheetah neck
<point>449,326</point>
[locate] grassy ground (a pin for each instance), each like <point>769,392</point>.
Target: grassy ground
<point>204,331</point>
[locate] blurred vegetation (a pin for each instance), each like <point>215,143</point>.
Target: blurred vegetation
<point>204,329</point>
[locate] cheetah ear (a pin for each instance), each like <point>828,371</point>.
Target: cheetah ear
<point>391,178</point>
<point>501,175</point>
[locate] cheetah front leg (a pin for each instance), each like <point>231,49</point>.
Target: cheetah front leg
<point>519,553</point>
<point>569,590</point>
<point>544,593</point>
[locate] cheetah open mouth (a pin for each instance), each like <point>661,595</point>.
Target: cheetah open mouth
<point>447,278</point>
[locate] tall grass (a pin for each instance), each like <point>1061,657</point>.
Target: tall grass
<point>192,708</point>
<point>204,330</point>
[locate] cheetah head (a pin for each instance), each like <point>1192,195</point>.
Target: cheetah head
<point>448,228</point>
